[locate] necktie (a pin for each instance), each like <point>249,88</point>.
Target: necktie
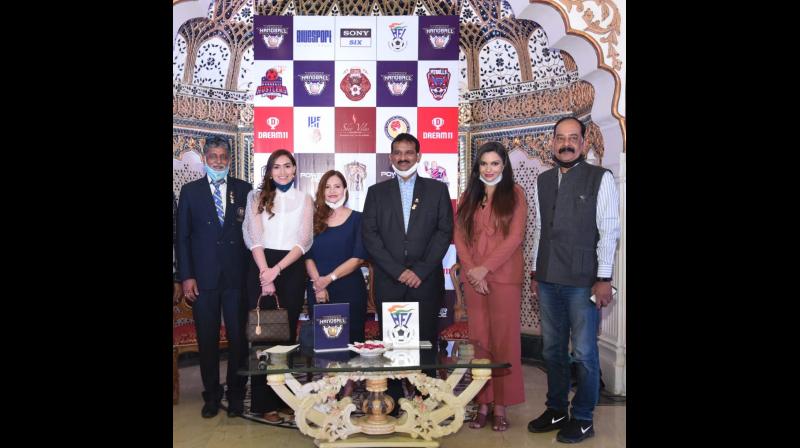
<point>218,201</point>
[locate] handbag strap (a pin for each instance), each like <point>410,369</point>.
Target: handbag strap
<point>277,303</point>
<point>258,308</point>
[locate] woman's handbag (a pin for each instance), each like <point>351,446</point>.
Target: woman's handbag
<point>268,325</point>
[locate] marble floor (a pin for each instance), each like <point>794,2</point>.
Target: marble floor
<point>191,430</point>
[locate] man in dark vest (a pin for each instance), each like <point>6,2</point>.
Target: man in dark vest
<point>575,235</point>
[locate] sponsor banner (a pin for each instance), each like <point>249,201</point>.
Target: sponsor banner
<point>355,38</point>
<point>441,167</point>
<point>438,38</point>
<point>355,129</point>
<point>272,38</point>
<point>391,121</point>
<point>272,83</point>
<point>310,169</point>
<point>314,129</point>
<point>359,170</point>
<point>355,84</point>
<point>314,38</point>
<point>437,84</point>
<point>396,83</point>
<point>397,38</point>
<point>272,129</point>
<point>437,129</point>
<point>314,83</point>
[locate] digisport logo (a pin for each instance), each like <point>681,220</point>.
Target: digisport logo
<point>313,36</point>
<point>314,82</point>
<point>396,125</point>
<point>273,35</point>
<point>438,80</point>
<point>355,84</point>
<point>439,35</point>
<point>272,85</point>
<point>397,43</point>
<point>355,37</point>
<point>397,82</point>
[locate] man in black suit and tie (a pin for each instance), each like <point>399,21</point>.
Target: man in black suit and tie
<point>211,266</point>
<point>407,227</point>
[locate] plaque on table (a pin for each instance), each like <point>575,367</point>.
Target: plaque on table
<point>400,324</point>
<point>331,327</point>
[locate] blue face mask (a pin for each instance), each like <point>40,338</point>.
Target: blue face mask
<point>283,188</point>
<point>217,174</point>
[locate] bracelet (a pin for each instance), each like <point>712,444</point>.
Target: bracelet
<point>603,279</point>
<point>333,277</point>
<point>278,265</point>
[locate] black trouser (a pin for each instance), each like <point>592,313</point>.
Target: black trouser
<point>290,288</point>
<point>428,331</point>
<point>206,313</point>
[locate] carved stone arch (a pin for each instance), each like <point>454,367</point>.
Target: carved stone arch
<point>587,54</point>
<point>194,31</point>
<point>493,41</point>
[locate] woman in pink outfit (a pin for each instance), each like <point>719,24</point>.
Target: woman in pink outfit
<point>489,230</point>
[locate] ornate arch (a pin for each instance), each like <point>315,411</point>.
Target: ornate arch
<point>587,52</point>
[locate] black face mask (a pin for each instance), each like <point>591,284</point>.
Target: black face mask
<point>567,164</point>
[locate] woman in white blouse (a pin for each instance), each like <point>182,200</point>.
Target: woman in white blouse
<point>278,230</point>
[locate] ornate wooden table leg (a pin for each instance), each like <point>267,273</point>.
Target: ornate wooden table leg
<point>377,407</point>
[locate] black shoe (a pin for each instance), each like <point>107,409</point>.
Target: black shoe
<point>549,421</point>
<point>235,409</point>
<point>210,409</point>
<point>575,431</point>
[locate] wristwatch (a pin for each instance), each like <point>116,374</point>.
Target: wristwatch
<point>603,279</point>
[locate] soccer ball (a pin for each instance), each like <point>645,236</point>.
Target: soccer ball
<point>355,90</point>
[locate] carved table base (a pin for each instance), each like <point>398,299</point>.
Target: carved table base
<point>319,415</point>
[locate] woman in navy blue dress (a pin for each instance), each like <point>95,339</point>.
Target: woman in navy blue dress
<point>334,259</point>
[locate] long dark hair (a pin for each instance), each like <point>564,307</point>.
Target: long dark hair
<point>321,210</point>
<point>503,201</point>
<point>267,197</point>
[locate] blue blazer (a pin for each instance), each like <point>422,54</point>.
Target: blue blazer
<point>204,248</point>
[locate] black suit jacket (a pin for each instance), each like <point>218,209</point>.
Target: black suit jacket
<point>205,249</point>
<point>421,249</point>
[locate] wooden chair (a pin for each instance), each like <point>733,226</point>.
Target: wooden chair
<point>184,340</point>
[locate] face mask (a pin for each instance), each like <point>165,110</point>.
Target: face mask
<point>215,174</point>
<point>337,204</point>
<point>283,188</point>
<point>407,172</point>
<point>492,183</point>
<point>568,164</point>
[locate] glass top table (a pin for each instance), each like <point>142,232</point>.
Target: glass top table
<point>436,410</point>
<point>456,354</point>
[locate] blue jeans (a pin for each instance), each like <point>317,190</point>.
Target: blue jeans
<point>568,309</point>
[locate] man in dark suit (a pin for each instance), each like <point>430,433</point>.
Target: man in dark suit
<point>211,265</point>
<point>407,227</point>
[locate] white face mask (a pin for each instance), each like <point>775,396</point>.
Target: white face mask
<point>407,172</point>
<point>492,183</point>
<point>337,204</point>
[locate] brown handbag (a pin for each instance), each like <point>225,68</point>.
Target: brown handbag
<point>268,325</point>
